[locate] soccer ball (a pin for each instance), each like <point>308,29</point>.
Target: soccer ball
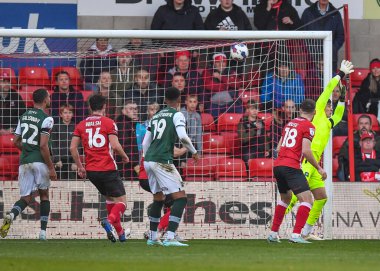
<point>239,51</point>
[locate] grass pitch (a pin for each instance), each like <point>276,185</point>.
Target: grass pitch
<point>219,255</point>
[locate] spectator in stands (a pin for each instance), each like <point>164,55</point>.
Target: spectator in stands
<point>276,15</point>
<point>223,83</point>
<point>11,104</point>
<point>228,16</point>
<point>194,80</point>
<point>126,124</point>
<point>122,75</point>
<point>177,15</point>
<point>252,134</point>
<point>99,58</point>
<point>364,126</point>
<point>153,108</point>
<point>114,102</point>
<point>367,159</point>
<point>61,140</point>
<point>193,121</point>
<point>142,58</point>
<point>143,92</point>
<point>342,128</point>
<point>179,82</point>
<point>368,97</point>
<point>64,93</point>
<point>281,116</point>
<point>331,21</point>
<point>280,86</point>
<point>313,79</point>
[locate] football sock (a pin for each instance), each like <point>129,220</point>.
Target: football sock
<point>279,214</point>
<point>154,215</point>
<point>316,211</point>
<point>176,214</point>
<point>18,207</point>
<point>109,206</point>
<point>302,215</point>
<point>44,213</point>
<point>291,204</point>
<point>164,221</point>
<point>116,212</point>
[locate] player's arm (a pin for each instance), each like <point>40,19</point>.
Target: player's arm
<point>115,144</point>
<point>46,127</point>
<point>346,67</point>
<point>75,141</point>
<point>17,138</point>
<point>180,126</point>
<point>308,154</point>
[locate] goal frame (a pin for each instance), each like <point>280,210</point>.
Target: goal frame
<point>326,36</point>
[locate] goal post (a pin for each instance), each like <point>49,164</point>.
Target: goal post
<point>230,196</point>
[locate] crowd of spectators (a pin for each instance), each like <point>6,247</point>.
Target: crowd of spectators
<point>134,83</point>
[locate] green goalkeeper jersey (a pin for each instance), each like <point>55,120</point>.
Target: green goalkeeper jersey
<point>322,123</point>
<point>31,125</point>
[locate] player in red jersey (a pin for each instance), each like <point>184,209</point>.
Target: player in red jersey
<point>295,143</point>
<point>98,135</point>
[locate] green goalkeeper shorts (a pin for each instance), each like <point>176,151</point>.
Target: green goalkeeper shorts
<point>312,175</point>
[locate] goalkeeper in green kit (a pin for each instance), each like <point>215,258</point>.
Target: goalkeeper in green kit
<point>323,121</point>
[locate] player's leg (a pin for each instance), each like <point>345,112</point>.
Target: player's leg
<point>41,175</point>
<point>168,177</point>
<point>300,188</point>
<point>309,171</point>
<point>26,185</point>
<point>279,212</point>
<point>156,207</point>
<point>320,199</point>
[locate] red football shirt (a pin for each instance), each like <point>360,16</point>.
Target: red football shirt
<point>294,132</point>
<point>94,132</point>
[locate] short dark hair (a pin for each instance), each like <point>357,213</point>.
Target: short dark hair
<point>178,74</point>
<point>365,117</point>
<point>252,103</point>
<point>61,72</point>
<point>172,94</point>
<point>39,95</point>
<point>96,102</point>
<point>308,106</point>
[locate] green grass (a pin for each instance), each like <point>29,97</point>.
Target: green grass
<point>207,255</point>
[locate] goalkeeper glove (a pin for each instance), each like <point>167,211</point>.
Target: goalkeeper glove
<point>342,89</point>
<point>346,67</point>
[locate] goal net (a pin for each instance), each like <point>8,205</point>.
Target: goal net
<point>235,111</point>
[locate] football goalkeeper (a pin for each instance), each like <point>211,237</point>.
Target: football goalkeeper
<point>323,121</point>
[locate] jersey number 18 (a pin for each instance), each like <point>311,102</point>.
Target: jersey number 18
<point>289,138</point>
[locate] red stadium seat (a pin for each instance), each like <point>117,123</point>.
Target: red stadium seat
<point>9,72</point>
<point>229,122</point>
<point>247,95</point>
<point>208,123</point>
<point>6,144</point>
<point>232,142</point>
<point>369,177</point>
<point>203,170</point>
<point>231,170</point>
<point>86,94</point>
<point>74,74</point>
<point>337,144</point>
<point>26,93</point>
<point>213,143</point>
<point>9,166</point>
<point>261,169</point>
<point>34,76</point>
<point>375,122</point>
<point>358,76</point>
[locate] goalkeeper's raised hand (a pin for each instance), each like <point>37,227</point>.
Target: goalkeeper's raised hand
<point>346,67</point>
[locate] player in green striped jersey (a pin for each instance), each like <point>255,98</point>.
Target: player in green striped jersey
<point>164,179</point>
<point>323,121</point>
<point>36,167</point>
